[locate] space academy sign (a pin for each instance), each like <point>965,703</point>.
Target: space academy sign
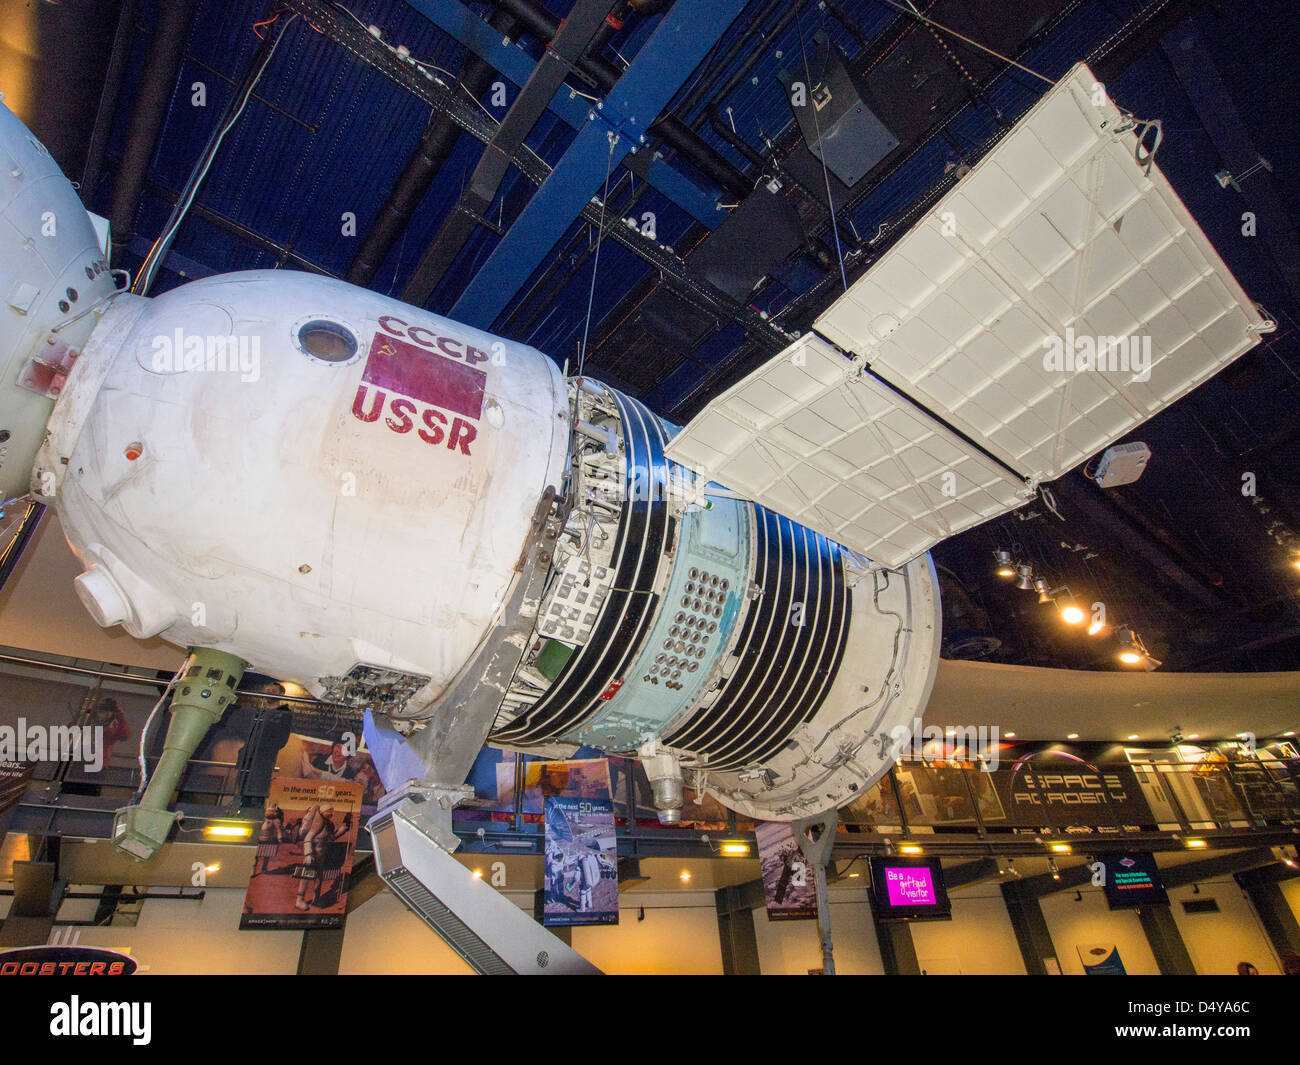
<point>1054,787</point>
<point>422,385</point>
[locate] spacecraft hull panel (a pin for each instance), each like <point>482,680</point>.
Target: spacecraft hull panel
<point>260,499</point>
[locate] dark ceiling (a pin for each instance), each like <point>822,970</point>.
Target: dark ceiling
<point>339,126</point>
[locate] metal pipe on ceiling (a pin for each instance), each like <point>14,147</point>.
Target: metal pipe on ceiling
<point>704,87</point>
<point>423,165</point>
<point>94,167</point>
<point>846,20</point>
<point>740,73</point>
<point>225,122</point>
<point>160,69</point>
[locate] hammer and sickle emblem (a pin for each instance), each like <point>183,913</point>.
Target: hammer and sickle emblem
<point>388,349</point>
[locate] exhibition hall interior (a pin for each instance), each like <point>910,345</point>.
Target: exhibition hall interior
<point>664,487</point>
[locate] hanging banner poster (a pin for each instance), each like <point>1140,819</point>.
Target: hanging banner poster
<point>788,884</point>
<point>333,757</point>
<point>304,855</point>
<point>581,850</point>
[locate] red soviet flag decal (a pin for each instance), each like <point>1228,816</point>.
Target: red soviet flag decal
<point>397,366</point>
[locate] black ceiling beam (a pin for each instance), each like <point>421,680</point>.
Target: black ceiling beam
<point>1216,865</point>
<point>685,283</point>
<point>431,152</point>
<point>569,45</point>
<point>147,116</point>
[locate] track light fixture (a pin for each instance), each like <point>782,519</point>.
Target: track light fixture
<point>1003,566</point>
<point>1132,652</point>
<point>1024,576</point>
<point>1040,586</point>
<point>1071,612</point>
<point>1054,869</point>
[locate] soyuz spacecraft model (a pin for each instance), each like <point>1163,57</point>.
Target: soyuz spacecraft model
<point>402,513</point>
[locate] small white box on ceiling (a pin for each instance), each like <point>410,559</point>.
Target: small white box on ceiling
<point>1121,464</point>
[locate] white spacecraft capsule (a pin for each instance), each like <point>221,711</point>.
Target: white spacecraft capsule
<point>403,513</point>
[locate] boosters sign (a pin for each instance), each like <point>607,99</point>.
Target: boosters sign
<point>423,385</point>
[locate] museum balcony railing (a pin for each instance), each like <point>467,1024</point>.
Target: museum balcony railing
<point>1027,791</point>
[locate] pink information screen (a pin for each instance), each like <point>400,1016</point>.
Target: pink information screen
<point>910,886</point>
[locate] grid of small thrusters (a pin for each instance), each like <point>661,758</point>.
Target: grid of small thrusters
<point>694,623</point>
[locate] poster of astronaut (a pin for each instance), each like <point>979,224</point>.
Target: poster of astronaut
<point>581,854</point>
<point>333,757</point>
<point>788,886</point>
<point>304,855</point>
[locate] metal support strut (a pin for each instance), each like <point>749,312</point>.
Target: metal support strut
<point>413,844</point>
<point>816,838</point>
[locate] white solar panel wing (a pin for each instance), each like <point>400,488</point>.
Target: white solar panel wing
<point>810,436</point>
<point>1057,297</point>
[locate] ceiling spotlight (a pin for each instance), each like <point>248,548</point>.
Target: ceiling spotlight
<point>1096,627</point>
<point>1072,613</point>
<point>1024,576</point>
<point>1132,652</point>
<point>1004,566</point>
<point>1194,844</point>
<point>735,848</point>
<point>1012,735</point>
<point>1040,586</point>
<point>685,876</point>
<point>1133,736</point>
<point>909,848</point>
<point>1061,848</point>
<point>1054,869</point>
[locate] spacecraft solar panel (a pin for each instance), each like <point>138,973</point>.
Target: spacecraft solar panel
<point>1058,296</point>
<point>812,437</point>
<point>1060,238</point>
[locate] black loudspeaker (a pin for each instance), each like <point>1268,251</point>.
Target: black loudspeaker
<point>831,104</point>
<point>762,231</point>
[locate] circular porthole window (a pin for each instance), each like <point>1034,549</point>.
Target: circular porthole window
<point>326,340</point>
